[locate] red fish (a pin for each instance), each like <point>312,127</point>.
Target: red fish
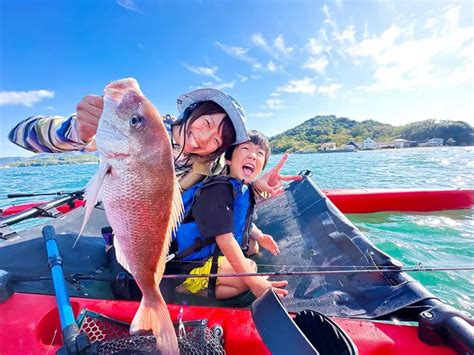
<point>141,197</point>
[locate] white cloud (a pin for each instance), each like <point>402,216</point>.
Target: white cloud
<point>319,64</point>
<point>304,86</point>
<point>347,35</point>
<point>279,44</point>
<point>128,4</point>
<point>274,104</point>
<point>271,66</point>
<point>220,86</point>
<point>206,71</point>
<point>255,77</point>
<point>260,41</point>
<point>242,78</point>
<point>328,18</point>
<point>240,53</point>
<point>315,47</point>
<point>403,61</point>
<point>25,98</point>
<point>330,89</point>
<point>275,94</point>
<point>49,107</point>
<point>260,114</point>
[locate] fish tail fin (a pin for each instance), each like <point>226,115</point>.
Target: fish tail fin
<point>155,317</point>
<point>92,195</point>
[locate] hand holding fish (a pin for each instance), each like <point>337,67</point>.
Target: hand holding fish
<point>271,182</point>
<point>88,112</point>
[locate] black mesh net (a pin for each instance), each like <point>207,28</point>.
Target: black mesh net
<point>110,336</point>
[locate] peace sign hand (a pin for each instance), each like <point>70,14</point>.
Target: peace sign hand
<point>271,182</point>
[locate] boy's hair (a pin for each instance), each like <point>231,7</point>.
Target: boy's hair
<point>257,138</point>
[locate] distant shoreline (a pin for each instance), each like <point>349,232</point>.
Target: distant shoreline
<point>93,160</point>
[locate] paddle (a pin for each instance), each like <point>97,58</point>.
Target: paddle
<point>74,341</point>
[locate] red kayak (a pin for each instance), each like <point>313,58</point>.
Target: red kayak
<point>364,291</point>
<point>30,325</point>
<point>353,201</point>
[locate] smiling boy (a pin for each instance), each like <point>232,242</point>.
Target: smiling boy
<point>218,220</point>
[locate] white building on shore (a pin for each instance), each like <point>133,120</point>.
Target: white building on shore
<point>369,143</point>
<point>433,142</point>
<point>328,146</point>
<point>401,143</point>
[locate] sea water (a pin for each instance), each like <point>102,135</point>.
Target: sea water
<point>436,239</point>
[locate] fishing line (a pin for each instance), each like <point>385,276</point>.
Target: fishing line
<point>323,272</point>
<point>360,267</point>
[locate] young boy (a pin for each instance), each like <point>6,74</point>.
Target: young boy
<point>218,219</point>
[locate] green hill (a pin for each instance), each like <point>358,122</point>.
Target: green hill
<point>308,136</point>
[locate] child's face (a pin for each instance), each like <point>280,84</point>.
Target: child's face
<point>247,162</point>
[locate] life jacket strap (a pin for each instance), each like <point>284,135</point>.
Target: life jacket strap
<point>198,245</point>
<point>211,286</point>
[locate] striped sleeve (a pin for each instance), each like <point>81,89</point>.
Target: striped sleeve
<point>52,134</point>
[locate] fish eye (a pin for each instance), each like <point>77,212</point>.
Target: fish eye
<point>137,122</point>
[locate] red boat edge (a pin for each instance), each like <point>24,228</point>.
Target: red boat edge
<point>403,200</point>
<point>353,201</point>
<point>30,325</point>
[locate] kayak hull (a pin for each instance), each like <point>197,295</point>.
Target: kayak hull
<point>30,325</point>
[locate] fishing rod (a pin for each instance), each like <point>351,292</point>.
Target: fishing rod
<point>58,193</point>
<point>40,210</point>
<point>123,275</point>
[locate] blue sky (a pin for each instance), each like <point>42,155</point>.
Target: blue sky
<point>286,61</point>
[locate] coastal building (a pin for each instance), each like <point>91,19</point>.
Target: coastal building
<point>401,143</point>
<point>385,145</point>
<point>353,144</point>
<point>369,143</point>
<point>349,148</point>
<point>328,146</point>
<point>433,142</point>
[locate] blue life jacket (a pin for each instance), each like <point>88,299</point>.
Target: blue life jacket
<point>190,243</point>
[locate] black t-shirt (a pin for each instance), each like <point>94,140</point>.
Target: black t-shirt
<point>213,210</point>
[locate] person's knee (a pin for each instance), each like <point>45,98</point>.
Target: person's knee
<point>252,264</point>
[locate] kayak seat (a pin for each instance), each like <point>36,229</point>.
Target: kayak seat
<point>326,336</point>
<point>310,332</point>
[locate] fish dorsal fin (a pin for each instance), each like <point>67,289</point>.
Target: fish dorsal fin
<point>91,195</point>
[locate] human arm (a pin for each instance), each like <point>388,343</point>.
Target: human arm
<point>271,182</point>
<point>56,134</point>
<point>257,284</point>
<point>266,241</point>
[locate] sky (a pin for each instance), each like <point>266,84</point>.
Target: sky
<point>286,61</point>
